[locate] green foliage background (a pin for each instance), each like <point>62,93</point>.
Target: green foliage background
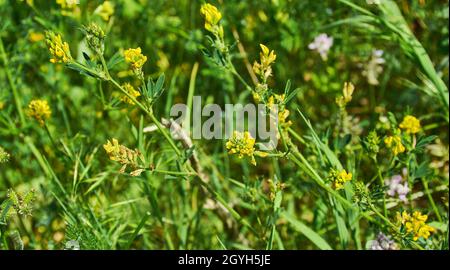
<point>80,195</point>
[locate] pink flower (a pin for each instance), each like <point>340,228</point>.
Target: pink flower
<point>322,44</point>
<point>397,187</point>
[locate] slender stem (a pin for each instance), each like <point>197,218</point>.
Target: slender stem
<point>151,115</point>
<point>233,212</point>
<point>430,198</point>
<point>11,83</point>
<point>306,166</point>
<point>137,230</point>
<point>3,236</point>
<point>244,57</point>
<point>149,112</point>
<point>164,133</point>
<point>173,173</point>
<point>385,219</point>
<point>295,135</point>
<point>105,66</point>
<point>235,73</point>
<point>50,136</point>
<point>190,97</point>
<point>380,177</point>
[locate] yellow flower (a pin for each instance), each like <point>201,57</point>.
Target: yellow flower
<point>39,110</point>
<point>410,124</point>
<point>347,93</point>
<point>105,10</point>
<point>256,97</point>
<point>395,143</point>
<point>35,37</point>
<point>263,68</point>
<point>69,7</point>
<point>340,178</point>
<point>267,57</point>
<point>2,105</point>
<point>130,90</point>
<point>283,113</point>
<point>242,144</point>
<point>415,224</point>
<point>58,49</point>
<point>68,4</point>
<point>212,17</point>
<point>124,156</point>
<point>135,58</point>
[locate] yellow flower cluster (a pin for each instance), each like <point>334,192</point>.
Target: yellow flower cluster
<point>105,10</point>
<point>339,178</point>
<point>242,144</point>
<point>283,113</point>
<point>69,7</point>
<point>410,124</point>
<point>212,17</point>
<point>263,68</point>
<point>130,90</point>
<point>347,93</point>
<point>58,49</point>
<point>123,155</point>
<point>39,110</point>
<point>135,58</point>
<point>395,144</point>
<point>415,224</point>
<point>68,3</point>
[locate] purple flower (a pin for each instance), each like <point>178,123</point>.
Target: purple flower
<point>397,187</point>
<point>382,242</point>
<point>322,44</point>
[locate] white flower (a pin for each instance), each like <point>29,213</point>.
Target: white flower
<point>374,68</point>
<point>382,242</point>
<point>373,2</point>
<point>72,245</point>
<point>322,44</point>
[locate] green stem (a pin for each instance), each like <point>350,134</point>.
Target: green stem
<point>137,230</point>
<point>190,97</point>
<point>105,66</point>
<point>3,236</point>
<point>382,185</point>
<point>149,112</point>
<point>235,73</point>
<point>430,198</point>
<point>151,115</point>
<point>11,83</point>
<point>50,136</point>
<point>173,173</point>
<point>233,212</point>
<point>304,164</point>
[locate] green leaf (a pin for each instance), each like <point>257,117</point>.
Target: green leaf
<point>116,59</point>
<point>332,158</point>
<point>423,141</point>
<point>160,83</point>
<point>314,237</point>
